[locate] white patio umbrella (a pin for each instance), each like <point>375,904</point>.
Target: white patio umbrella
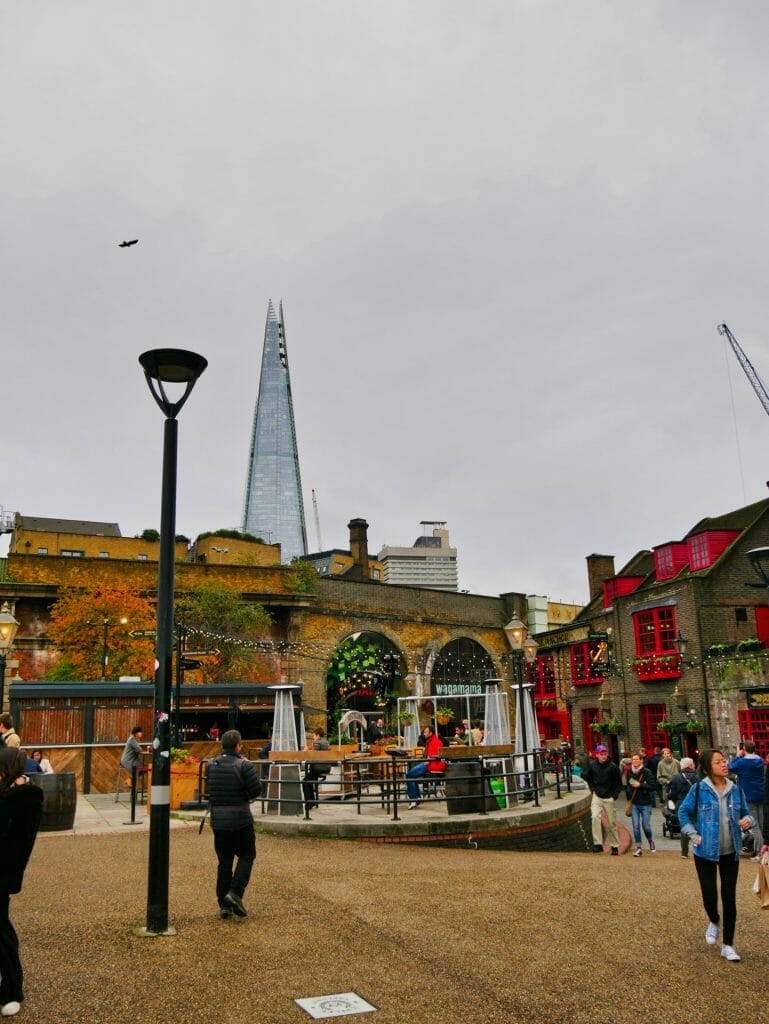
<point>496,716</point>
<point>526,727</point>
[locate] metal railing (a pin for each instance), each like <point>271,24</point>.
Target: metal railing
<point>293,785</point>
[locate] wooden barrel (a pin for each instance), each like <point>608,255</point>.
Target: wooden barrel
<point>59,800</point>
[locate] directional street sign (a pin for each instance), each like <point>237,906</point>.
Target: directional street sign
<point>199,654</point>
<point>144,634</point>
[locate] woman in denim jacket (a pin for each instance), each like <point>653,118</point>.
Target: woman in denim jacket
<point>720,813</point>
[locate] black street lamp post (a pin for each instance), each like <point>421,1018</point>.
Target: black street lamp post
<point>161,367</point>
<point>524,649</point>
<point>8,627</point>
<point>106,623</point>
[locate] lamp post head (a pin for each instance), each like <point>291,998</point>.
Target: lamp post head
<point>681,644</point>
<point>530,646</point>
<point>759,559</point>
<point>516,633</point>
<point>171,366</point>
<point>8,627</point>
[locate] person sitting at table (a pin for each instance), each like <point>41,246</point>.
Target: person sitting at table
<point>45,764</point>
<point>460,735</point>
<point>315,771</point>
<point>432,766</point>
<point>375,731</point>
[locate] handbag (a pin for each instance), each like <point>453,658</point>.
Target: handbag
<point>629,804</point>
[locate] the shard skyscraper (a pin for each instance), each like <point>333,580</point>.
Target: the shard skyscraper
<point>273,508</point>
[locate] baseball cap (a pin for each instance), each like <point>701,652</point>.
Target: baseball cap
<point>601,749</point>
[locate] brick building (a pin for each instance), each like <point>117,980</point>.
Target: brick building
<point>677,637</point>
<point>432,641</point>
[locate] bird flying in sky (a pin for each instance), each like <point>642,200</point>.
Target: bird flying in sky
<point>124,245</point>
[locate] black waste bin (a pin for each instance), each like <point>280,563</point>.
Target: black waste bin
<point>466,788</point>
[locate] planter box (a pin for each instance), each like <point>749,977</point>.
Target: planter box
<point>184,784</point>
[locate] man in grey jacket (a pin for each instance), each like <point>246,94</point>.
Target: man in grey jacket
<point>233,783</point>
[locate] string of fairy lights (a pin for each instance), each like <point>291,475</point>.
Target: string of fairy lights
<point>472,661</point>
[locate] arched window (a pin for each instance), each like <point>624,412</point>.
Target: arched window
<point>461,663</point>
<point>364,673</point>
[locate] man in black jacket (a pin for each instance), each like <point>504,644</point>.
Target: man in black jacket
<point>605,784</point>
<point>233,783</point>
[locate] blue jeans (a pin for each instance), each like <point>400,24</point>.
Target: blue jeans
<point>642,818</point>
<point>415,772</point>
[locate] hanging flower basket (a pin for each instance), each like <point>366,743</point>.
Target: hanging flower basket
<point>664,726</point>
<point>443,715</point>
<point>694,726</point>
<point>596,726</point>
<point>615,727</point>
<point>407,718</point>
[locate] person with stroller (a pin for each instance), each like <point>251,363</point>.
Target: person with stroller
<point>680,785</point>
<point>667,767</point>
<point>713,814</point>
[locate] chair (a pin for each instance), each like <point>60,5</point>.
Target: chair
<point>141,782</point>
<point>434,786</point>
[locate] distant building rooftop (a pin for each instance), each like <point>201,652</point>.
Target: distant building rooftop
<point>92,529</point>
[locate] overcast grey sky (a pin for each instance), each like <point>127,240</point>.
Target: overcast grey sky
<point>504,234</point>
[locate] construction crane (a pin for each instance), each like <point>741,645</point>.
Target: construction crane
<point>317,519</point>
<point>747,366</point>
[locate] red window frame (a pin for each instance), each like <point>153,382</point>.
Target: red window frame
<point>754,725</point>
<point>655,643</point>
<point>584,661</point>
<point>590,739</point>
<point>649,716</point>
<point>544,677</point>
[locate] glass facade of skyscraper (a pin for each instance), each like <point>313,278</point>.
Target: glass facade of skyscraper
<point>274,508</point>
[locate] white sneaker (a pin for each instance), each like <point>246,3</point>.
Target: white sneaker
<point>638,852</point>
<point>413,804</point>
<point>12,1008</point>
<point>727,952</point>
<point>711,934</point>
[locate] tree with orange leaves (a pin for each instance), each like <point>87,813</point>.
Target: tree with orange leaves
<point>83,619</point>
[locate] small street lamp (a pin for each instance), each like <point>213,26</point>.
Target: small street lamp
<point>106,623</point>
<point>524,649</point>
<point>8,627</point>
<point>162,367</point>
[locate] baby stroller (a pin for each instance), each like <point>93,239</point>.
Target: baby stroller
<point>671,826</point>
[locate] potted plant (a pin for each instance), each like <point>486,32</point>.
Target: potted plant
<point>596,726</point>
<point>749,645</point>
<point>615,727</point>
<point>443,715</point>
<point>664,726</point>
<point>694,726</point>
<point>407,718</point>
<point>719,650</point>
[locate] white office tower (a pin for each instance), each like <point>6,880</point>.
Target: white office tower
<point>430,562</point>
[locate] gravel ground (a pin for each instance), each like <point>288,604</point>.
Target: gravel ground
<point>423,934</point>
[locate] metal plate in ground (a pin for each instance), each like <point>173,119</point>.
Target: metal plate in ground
<point>339,1005</point>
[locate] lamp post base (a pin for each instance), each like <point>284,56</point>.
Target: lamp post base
<point>145,933</point>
